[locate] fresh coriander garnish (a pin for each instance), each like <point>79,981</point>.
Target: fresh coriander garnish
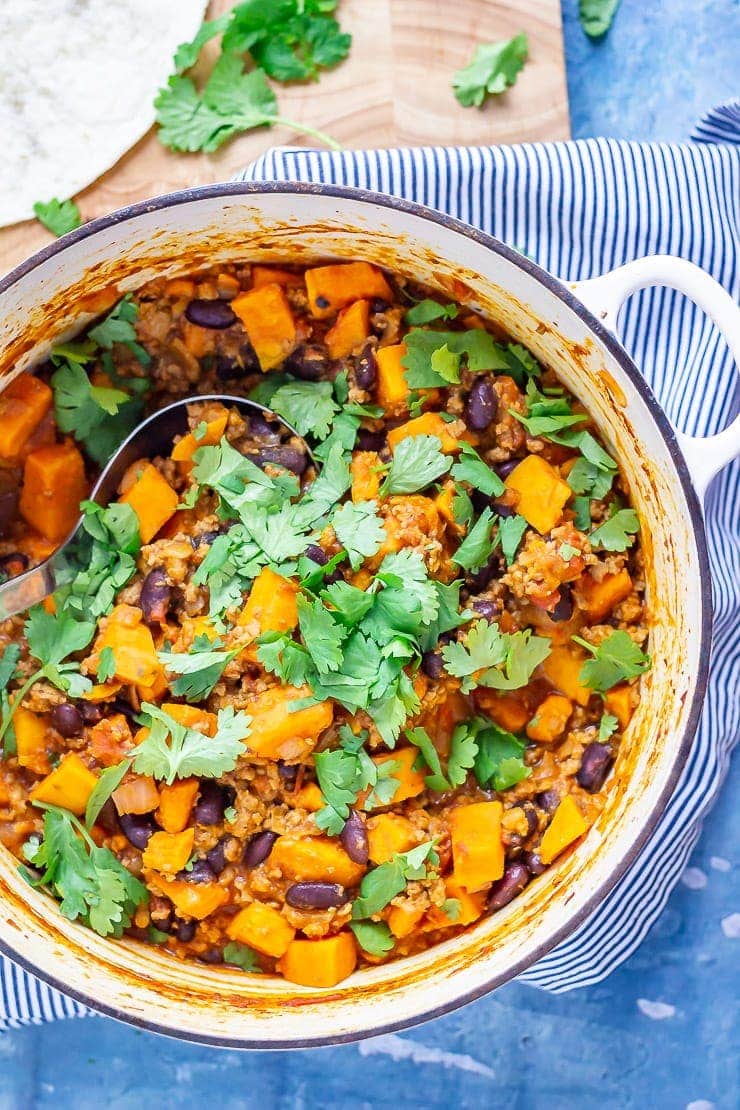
<point>383,883</point>
<point>596,16</point>
<point>429,756</point>
<point>200,668</point>
<point>510,532</point>
<point>546,415</point>
<point>344,773</point>
<point>479,544</point>
<point>90,882</point>
<point>309,406</point>
<point>106,665</point>
<point>102,561</point>
<point>616,659</point>
<point>471,468</point>
<point>172,750</point>
<point>480,350</point>
<point>373,937</point>
<point>359,529</point>
<point>241,955</point>
<point>109,780</point>
<point>417,462</point>
<point>618,532</point>
<point>58,216</point>
<point>499,761</point>
<point>423,312</point>
<point>607,726</point>
<point>489,657</point>
<point>494,68</point>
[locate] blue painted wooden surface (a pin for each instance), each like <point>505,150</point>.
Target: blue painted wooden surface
<point>663,1031</point>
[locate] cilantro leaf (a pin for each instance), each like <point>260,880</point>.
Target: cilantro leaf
<point>510,532</point>
<point>90,882</point>
<point>241,955</point>
<point>417,462</point>
<point>484,646</point>
<point>309,406</point>
<point>463,751</point>
<point>10,657</point>
<point>200,668</point>
<point>546,415</point>
<point>479,544</point>
<point>280,535</point>
<point>586,478</point>
<point>448,617</point>
<point>477,346</point>
<point>359,529</point>
<point>106,665</point>
<point>58,216</point>
<point>100,418</point>
<point>322,634</point>
<point>489,657</point>
<point>522,364</point>
<point>187,53</point>
<point>343,773</point>
<point>499,761</point>
<point>421,739</point>
<point>109,781</point>
<point>494,68</point>
<point>471,468</point>
<point>282,656</point>
<point>172,750</point>
<point>406,570</point>
<point>373,937</point>
<point>350,603</point>
<point>618,532</point>
<point>596,16</point>
<point>423,312</point>
<point>102,561</point>
<point>616,659</point>
<point>383,883</point>
<point>607,726</point>
<point>118,327</point>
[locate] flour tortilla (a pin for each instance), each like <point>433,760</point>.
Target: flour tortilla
<point>77,83</point>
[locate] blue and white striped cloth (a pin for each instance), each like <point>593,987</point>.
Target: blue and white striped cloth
<point>580,209</point>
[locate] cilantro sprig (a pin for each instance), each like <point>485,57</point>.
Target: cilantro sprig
<point>417,462</point>
<point>616,659</point>
<point>199,669</point>
<point>172,750</point>
<point>344,773</point>
<point>383,883</point>
<point>494,68</point>
<point>58,216</point>
<point>489,657</point>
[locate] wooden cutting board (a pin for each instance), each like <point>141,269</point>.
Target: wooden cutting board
<point>393,90</point>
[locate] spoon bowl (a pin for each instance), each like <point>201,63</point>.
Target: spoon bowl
<point>154,436</point>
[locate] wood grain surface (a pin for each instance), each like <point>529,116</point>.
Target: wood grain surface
<point>393,90</point>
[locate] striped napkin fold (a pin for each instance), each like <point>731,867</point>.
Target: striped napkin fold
<point>579,209</point>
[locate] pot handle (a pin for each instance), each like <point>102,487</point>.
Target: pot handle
<point>605,295</point>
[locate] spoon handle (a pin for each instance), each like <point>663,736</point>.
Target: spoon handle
<point>29,588</point>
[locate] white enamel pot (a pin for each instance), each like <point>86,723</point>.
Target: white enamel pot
<point>60,288</point>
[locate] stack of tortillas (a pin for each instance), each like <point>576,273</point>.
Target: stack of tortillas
<point>77,86</point>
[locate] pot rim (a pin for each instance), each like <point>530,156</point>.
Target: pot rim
<point>608,340</point>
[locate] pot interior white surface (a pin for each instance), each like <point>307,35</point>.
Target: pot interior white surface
<point>136,982</point>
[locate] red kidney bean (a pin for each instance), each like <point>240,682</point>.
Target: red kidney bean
<point>315,896</point>
<point>502,509</point>
<point>292,458</point>
<point>308,363</point>
<point>91,713</point>
<point>212,801</point>
<point>432,664</point>
<point>288,772</point>
<point>370,441</point>
<point>484,607</point>
<point>512,882</point>
<point>316,554</point>
<point>258,848</point>
<point>204,538</point>
<point>504,469</point>
<point>155,597</point>
<point>354,838</point>
<point>227,369</point>
<point>120,705</point>
<point>183,930</point>
<point>366,371</point>
<point>108,817</point>
<point>216,857</point>
<point>215,314</point>
<point>138,828</point>
<point>596,763</point>
<point>377,304</point>
<point>200,872</point>
<point>481,405</point>
<point>563,611</point>
<point>484,576</point>
<point>549,800</point>
<point>531,814</point>
<point>67,720</point>
<point>211,956</point>
<point>534,864</point>
<point>261,428</point>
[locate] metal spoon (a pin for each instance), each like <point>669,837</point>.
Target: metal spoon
<point>154,436</point>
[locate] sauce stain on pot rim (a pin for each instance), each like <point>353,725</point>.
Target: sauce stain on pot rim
<point>222,1007</point>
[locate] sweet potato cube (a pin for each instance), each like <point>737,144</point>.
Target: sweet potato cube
<point>186,447</point>
<point>410,782</point>
<point>176,804</point>
<point>542,492</point>
<point>599,598</point>
<point>23,405</point>
<point>319,963</point>
<point>403,919</point>
<point>153,500</point>
<point>428,424</point>
<point>548,723</point>
<point>262,927</point>
<point>618,702</point>
<point>387,835</point>
<point>562,668</point>
<point>309,797</point>
<point>273,275</point>
<point>192,716</point>
<point>279,734</point>
<point>470,907</point>
<point>567,825</point>
<point>32,737</point>
<point>198,900</point>
<point>350,330</point>
<point>271,605</point>
<point>54,483</point>
<point>268,321</point>
<point>169,852</point>
<point>477,848</point>
<point>506,710</point>
<point>365,472</point>
<point>332,287</point>
<point>132,644</point>
<point>392,389</point>
<point>315,859</point>
<point>69,785</point>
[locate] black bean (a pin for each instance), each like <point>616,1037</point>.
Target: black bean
<point>108,817</point>
<point>316,554</point>
<point>432,664</point>
<point>205,538</point>
<point>288,772</point>
<point>14,564</point>
<point>91,713</point>
<point>120,705</point>
<point>212,801</point>
<point>211,956</point>
<point>292,458</point>
<point>155,597</point>
<point>308,363</point>
<point>67,720</point>
<point>227,368</point>
<point>210,314</point>
<point>183,930</point>
<point>563,611</point>
<point>200,872</point>
<point>8,508</point>
<point>480,500</point>
<point>503,509</point>
<point>354,838</point>
<point>596,762</point>
<point>315,896</point>
<point>531,814</point>
<point>366,371</point>
<point>370,441</point>
<point>478,581</point>
<point>137,828</point>
<point>484,607</point>
<point>548,800</point>
<point>534,864</point>
<point>512,882</point>
<point>216,857</point>
<point>377,304</point>
<point>504,469</point>
<point>258,848</point>
<point>481,405</point>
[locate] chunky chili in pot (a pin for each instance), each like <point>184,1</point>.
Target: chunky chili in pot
<point>296,720</point>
